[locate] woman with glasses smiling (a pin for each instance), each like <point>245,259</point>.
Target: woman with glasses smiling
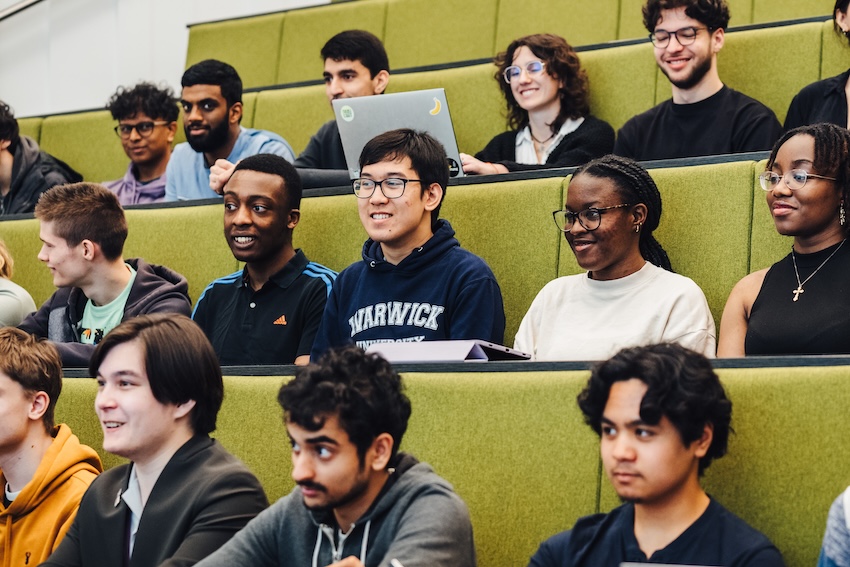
<point>800,305</point>
<point>629,295</point>
<point>545,90</point>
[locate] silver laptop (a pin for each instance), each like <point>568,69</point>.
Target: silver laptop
<point>361,119</point>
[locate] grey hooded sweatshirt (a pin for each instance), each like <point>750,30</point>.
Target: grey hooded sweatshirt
<point>417,520</point>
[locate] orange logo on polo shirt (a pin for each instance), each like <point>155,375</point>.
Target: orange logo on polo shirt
<point>280,320</point>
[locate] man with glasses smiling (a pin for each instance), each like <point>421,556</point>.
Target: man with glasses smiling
<point>147,122</point>
<point>415,282</point>
<point>704,117</point>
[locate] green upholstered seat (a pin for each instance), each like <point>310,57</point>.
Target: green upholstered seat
<point>306,31</point>
<point>21,238</point>
<point>330,231</point>
<point>30,127</point>
<point>773,10</point>
<point>294,113</point>
<point>251,45</point>
<point>86,141</point>
<point>835,54</point>
<point>458,32</point>
<point>580,23</point>
<point>475,101</point>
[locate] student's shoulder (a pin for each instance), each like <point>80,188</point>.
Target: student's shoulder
<point>741,539</point>
<point>639,120</point>
<point>745,102</point>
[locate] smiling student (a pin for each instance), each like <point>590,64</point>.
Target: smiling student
<point>415,282</point>
<point>662,417</point>
<point>359,501</point>
<point>704,117</point>
<point>182,495</point>
<point>268,312</point>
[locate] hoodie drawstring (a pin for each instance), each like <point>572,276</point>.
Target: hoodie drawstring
<point>318,546</point>
<point>365,543</point>
<point>336,551</point>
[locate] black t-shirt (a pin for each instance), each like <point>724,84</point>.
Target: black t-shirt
<point>823,101</point>
<point>718,537</point>
<point>727,122</point>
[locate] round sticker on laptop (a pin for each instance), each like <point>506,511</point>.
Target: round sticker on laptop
<point>347,113</point>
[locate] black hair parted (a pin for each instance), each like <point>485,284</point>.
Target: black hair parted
<point>362,390</point>
<point>9,127</point>
<point>214,72</point>
<point>635,185</point>
<point>358,45</point>
<point>681,385</point>
<point>713,14</point>
<point>276,165</point>
<point>158,103</point>
<point>840,6</point>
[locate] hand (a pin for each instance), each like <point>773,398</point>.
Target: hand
<point>220,173</point>
<point>475,166</point>
<point>350,561</point>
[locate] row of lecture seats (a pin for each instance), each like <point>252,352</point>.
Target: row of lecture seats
<point>516,449</point>
<point>284,47</point>
<point>715,227</point>
<point>624,81</point>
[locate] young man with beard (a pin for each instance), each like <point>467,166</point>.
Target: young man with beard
<point>269,312</point>
<point>212,112</point>
<point>147,121</point>
<point>662,416</point>
<point>704,117</point>
<point>358,501</point>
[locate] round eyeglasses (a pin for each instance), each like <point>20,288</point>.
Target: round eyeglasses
<point>391,187</point>
<point>590,218</point>
<point>685,36</point>
<point>513,72</point>
<point>794,179</point>
<point>143,128</point>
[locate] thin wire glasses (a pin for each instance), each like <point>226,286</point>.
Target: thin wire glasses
<point>143,128</point>
<point>514,71</point>
<point>794,179</point>
<point>685,36</point>
<point>391,187</point>
<point>590,218</point>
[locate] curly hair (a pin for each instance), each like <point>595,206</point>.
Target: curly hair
<point>9,127</point>
<point>832,154</point>
<point>562,63</point>
<point>681,385</point>
<point>713,14</point>
<point>156,102</point>
<point>362,390</point>
<point>635,185</point>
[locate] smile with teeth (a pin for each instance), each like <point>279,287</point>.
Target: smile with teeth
<point>112,424</point>
<point>380,216</point>
<point>243,239</point>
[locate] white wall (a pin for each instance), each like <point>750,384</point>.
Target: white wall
<point>68,55</point>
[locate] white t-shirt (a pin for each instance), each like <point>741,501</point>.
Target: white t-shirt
<point>577,318</point>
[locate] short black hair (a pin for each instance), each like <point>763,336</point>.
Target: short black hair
<point>180,363</point>
<point>427,157</point>
<point>276,165</point>
<point>362,390</point>
<point>9,127</point>
<point>156,102</point>
<point>358,45</point>
<point>681,384</point>
<point>713,14</point>
<point>214,72</point>
<point>840,5</point>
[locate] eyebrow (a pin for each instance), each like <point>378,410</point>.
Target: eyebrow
<point>321,439</point>
<point>630,424</point>
<point>203,100</point>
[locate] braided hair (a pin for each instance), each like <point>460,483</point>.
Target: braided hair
<point>832,155</point>
<point>635,186</point>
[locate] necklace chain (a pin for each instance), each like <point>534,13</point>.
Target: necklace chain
<point>800,284</point>
<point>541,142</point>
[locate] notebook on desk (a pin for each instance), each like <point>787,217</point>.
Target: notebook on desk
<point>362,118</point>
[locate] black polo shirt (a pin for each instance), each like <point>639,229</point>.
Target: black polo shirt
<point>273,325</point>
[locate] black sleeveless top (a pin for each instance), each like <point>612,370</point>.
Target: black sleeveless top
<point>818,322</point>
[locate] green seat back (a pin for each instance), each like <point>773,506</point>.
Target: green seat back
<point>773,10</point>
<point>582,23</point>
<point>294,113</point>
<point>86,141</point>
<point>835,55</point>
<point>330,231</point>
<point>21,238</point>
<point>30,127</point>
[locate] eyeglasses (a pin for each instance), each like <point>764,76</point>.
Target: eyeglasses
<point>391,187</point>
<point>685,36</point>
<point>794,179</point>
<point>590,218</point>
<point>514,71</point>
<point>143,128</point>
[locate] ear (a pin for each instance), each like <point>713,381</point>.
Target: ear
<point>4,144</point>
<point>182,410</point>
<point>172,131</point>
<point>702,444</point>
<point>432,196</point>
<point>842,20</point>
<point>381,450</point>
<point>235,113</point>
<point>639,213</point>
<point>38,406</point>
<point>718,38</point>
<point>89,249</point>
<point>380,81</point>
<point>294,217</point>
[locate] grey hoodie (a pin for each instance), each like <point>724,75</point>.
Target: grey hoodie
<point>417,519</point>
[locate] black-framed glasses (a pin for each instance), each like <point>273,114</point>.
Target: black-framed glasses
<point>143,128</point>
<point>514,71</point>
<point>685,36</point>
<point>794,179</point>
<point>391,187</point>
<point>590,218</point>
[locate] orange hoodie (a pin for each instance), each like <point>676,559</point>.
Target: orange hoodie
<point>34,524</point>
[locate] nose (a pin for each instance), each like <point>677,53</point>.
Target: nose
<point>378,196</point>
<point>134,134</point>
<point>194,114</point>
<point>334,88</point>
<point>524,75</point>
<point>242,216</point>
<point>104,400</point>
<point>42,254</point>
<point>622,449</point>
<point>673,45</point>
<point>781,188</point>
<point>302,467</point>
